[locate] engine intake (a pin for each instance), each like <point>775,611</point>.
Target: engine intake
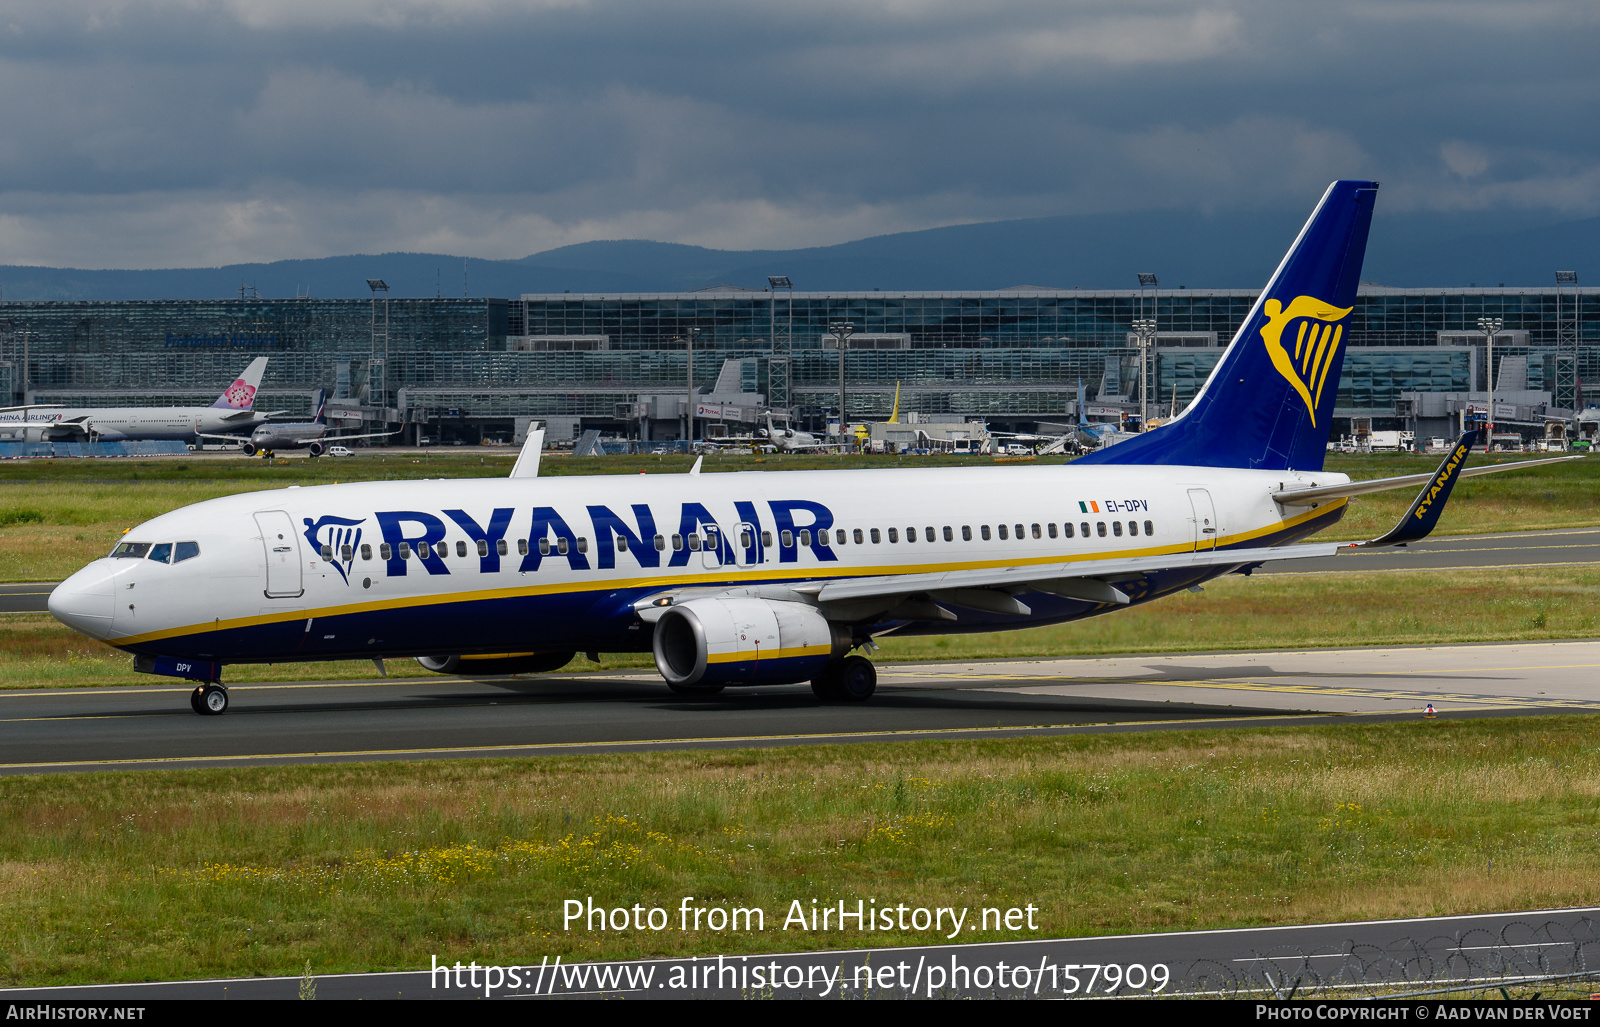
<point>744,641</point>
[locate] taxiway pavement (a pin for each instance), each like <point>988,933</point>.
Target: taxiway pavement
<point>56,730</point>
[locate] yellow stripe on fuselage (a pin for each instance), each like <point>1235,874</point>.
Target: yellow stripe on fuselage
<point>720,575</point>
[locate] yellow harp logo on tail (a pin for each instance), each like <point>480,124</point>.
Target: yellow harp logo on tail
<point>1316,344</point>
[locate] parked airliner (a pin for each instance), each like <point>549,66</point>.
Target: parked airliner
<point>313,434</point>
<point>756,578</point>
<point>233,410</point>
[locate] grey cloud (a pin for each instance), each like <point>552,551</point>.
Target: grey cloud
<point>283,128</point>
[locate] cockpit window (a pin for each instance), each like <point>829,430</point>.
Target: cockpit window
<point>161,552</point>
<point>185,551</point>
<point>130,550</point>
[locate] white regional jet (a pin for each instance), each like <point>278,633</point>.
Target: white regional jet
<point>759,578</point>
<point>233,410</point>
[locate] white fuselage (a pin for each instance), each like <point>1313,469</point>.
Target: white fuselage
<point>264,587</point>
<point>119,423</point>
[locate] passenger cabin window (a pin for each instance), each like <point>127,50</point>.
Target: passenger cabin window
<point>385,552</point>
<point>1149,528</point>
<point>366,551</point>
<point>766,540</point>
<point>677,543</point>
<point>928,534</point>
<point>694,543</point>
<point>522,547</point>
<point>1003,535</point>
<point>1066,529</point>
<point>838,536</point>
<point>876,538</point>
<point>805,536</point>
<point>327,553</point>
<point>894,534</point>
<point>500,546</point>
<point>1116,528</point>
<point>1036,532</point>
<point>461,548</point>
<point>131,550</point>
<point>949,533</point>
<point>190,550</point>
<point>483,547</point>
<point>661,543</point>
<point>161,552</point>
<point>405,550</point>
<point>621,542</point>
<point>1133,527</point>
<point>1052,529</point>
<point>1084,527</point>
<point>1019,532</point>
<point>544,547</point>
<point>984,530</point>
<point>745,539</point>
<point>787,537</point>
<point>858,536</point>
<point>911,534</point>
<point>966,533</point>
<point>561,546</point>
<point>1100,528</point>
<point>424,551</point>
<point>345,552</point>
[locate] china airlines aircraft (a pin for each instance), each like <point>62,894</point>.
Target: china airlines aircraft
<point>759,578</point>
<point>232,411</point>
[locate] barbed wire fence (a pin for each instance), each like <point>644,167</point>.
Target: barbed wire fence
<point>1550,959</point>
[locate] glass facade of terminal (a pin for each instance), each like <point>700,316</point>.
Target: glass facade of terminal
<point>1014,355</point>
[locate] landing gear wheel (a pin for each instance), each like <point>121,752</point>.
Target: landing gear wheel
<point>826,686</point>
<point>695,689</point>
<point>858,679</point>
<point>194,701</point>
<point>212,700</point>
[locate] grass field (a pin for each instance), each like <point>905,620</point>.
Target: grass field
<point>1259,612</point>
<point>184,874</point>
<point>56,516</point>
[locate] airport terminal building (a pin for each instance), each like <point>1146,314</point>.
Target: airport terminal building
<point>470,368</point>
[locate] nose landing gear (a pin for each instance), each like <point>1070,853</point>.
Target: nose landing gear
<point>209,700</point>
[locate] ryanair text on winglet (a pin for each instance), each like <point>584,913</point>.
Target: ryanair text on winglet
<point>1444,477</point>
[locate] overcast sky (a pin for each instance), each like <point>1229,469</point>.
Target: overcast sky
<point>162,133</point>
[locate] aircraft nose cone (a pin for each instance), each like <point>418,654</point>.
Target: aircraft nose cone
<point>84,601</point>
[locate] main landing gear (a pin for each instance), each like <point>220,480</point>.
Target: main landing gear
<point>854,679</point>
<point>209,700</point>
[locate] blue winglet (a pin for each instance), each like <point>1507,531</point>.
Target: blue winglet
<point>1419,521</point>
<point>1269,403</point>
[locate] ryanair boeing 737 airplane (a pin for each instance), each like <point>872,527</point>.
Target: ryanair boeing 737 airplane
<point>758,578</point>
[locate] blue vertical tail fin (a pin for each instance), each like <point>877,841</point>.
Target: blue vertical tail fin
<point>1269,402</point>
<point>322,407</point>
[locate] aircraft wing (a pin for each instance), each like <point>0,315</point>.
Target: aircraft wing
<point>1296,497</point>
<point>239,415</point>
<point>994,589</point>
<point>349,438</point>
<point>229,438</point>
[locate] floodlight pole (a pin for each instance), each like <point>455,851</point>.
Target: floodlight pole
<point>841,330</point>
<point>1491,327</point>
<point>1144,330</point>
<point>688,410</point>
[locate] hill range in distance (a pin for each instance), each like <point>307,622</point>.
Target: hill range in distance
<point>1102,251</point>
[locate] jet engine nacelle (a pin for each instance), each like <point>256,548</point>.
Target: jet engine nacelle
<point>315,449</point>
<point>739,640</point>
<point>496,664</point>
